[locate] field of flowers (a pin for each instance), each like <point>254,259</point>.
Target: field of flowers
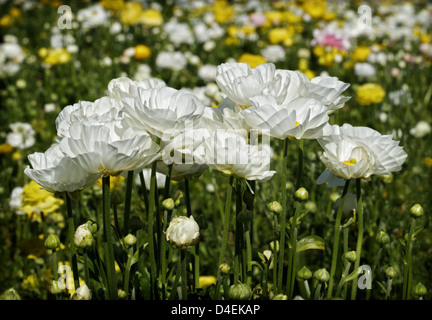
<point>206,150</point>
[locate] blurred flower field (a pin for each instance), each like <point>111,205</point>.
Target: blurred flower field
<point>96,96</point>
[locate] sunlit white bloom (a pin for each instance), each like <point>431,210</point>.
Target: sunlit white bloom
<point>364,70</point>
<point>302,118</point>
<point>421,129</point>
<point>109,148</point>
<point>125,87</point>
<point>143,72</point>
<point>183,232</point>
<point>273,53</point>
<point>178,33</point>
<point>359,152</point>
<point>327,90</point>
<point>231,154</point>
<point>171,60</point>
<point>22,135</point>
<point>160,111</point>
<point>56,172</point>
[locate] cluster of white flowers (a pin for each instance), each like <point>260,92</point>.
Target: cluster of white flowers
<point>140,122</point>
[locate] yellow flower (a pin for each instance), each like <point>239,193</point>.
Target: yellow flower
<point>360,54</point>
<point>279,35</point>
<point>131,13</point>
<point>310,74</point>
<point>370,93</point>
<point>315,8</point>
<point>5,21</point>
<point>142,52</point>
<point>425,38</point>
<point>115,182</point>
<point>56,56</point>
<point>273,18</point>
<point>112,5</point>
<point>428,162</point>
<point>29,283</point>
<point>5,148</point>
<point>222,11</point>
<point>151,18</point>
<point>205,281</point>
<point>318,51</point>
<point>36,199</point>
<point>252,59</point>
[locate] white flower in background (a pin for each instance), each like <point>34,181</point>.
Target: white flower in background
<point>161,111</point>
<point>22,135</point>
<point>327,90</point>
<point>125,87</point>
<point>364,70</point>
<point>231,154</point>
<point>359,152</point>
<point>273,53</point>
<point>160,179</point>
<point>142,72</point>
<point>171,60</point>
<point>109,148</point>
<point>302,118</point>
<point>207,72</point>
<point>178,32</point>
<point>56,172</point>
<point>11,57</point>
<point>421,129</point>
<point>83,237</point>
<point>183,232</point>
<point>16,198</point>
<point>93,16</point>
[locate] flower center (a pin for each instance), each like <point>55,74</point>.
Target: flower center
<point>296,124</point>
<point>245,107</point>
<point>350,162</point>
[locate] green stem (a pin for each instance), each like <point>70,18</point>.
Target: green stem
<point>389,286</point>
<point>406,289</point>
<point>127,270</point>
<point>86,269</point>
<point>300,164</point>
<point>183,274</point>
<point>282,216</point>
<point>144,190</point>
<point>336,240</point>
<point>359,237</point>
<point>292,253</point>
<point>151,217</point>
<point>342,281</point>
<point>108,241</point>
<point>128,199</point>
<point>71,232</point>
<point>226,221</point>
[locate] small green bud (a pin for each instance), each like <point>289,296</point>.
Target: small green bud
<point>420,290</point>
<point>416,211</point>
<point>382,238</point>
<point>121,294</point>
<point>274,207</point>
<point>129,240</point>
<point>304,273</point>
<point>10,294</point>
<point>391,272</point>
<point>322,275</point>
<point>239,291</point>
<point>351,256</point>
<point>52,242</point>
<point>168,204</point>
<point>92,226</point>
<point>179,198</point>
<point>301,194</point>
<point>280,296</point>
<point>225,268</point>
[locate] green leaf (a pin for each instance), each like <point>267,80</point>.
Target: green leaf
<point>310,242</point>
<point>254,263</point>
<point>135,257</point>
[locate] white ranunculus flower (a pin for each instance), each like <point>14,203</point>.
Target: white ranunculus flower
<point>364,70</point>
<point>230,153</point>
<point>125,87</point>
<point>171,60</point>
<point>109,148</point>
<point>327,90</point>
<point>82,293</point>
<point>16,198</point>
<point>56,172</point>
<point>93,16</point>
<point>83,237</point>
<point>421,129</point>
<point>273,53</point>
<point>207,72</point>
<point>183,232</point>
<point>22,135</point>
<point>160,111</point>
<point>301,118</point>
<point>359,152</point>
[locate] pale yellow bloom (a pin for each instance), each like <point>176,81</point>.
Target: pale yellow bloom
<point>370,93</point>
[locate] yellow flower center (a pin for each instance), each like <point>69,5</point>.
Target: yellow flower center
<point>296,123</point>
<point>350,162</point>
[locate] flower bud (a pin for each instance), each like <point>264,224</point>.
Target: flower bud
<point>168,204</point>
<point>82,293</point>
<point>225,268</point>
<point>183,232</point>
<point>129,240</point>
<point>274,207</point>
<point>280,296</point>
<point>322,275</point>
<point>83,237</point>
<point>239,291</point>
<point>92,226</point>
<point>416,211</point>
<point>52,242</point>
<point>10,294</point>
<point>301,194</point>
<point>351,256</point>
<point>420,290</point>
<point>121,294</point>
<point>382,238</point>
<point>391,272</point>
<point>56,287</point>
<point>304,273</point>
